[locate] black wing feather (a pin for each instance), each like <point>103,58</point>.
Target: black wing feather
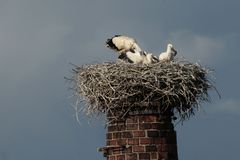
<point>125,58</point>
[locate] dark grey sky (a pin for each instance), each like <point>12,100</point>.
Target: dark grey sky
<point>38,39</point>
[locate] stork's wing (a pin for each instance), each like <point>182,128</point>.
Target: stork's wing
<point>155,59</point>
<point>125,58</point>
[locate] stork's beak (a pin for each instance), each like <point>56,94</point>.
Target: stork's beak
<point>174,51</point>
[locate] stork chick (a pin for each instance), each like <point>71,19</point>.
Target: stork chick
<point>168,55</point>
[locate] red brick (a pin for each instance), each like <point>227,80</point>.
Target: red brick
<point>133,141</point>
<point>116,122</point>
<point>111,142</point>
<point>145,138</point>
<point>116,135</point>
<point>127,150</point>
<point>154,155</point>
<point>148,118</point>
<point>165,147</point>
<point>146,141</point>
<point>132,126</point>
<point>132,156</point>
<point>121,157</point>
<point>152,133</point>
<point>111,158</point>
<point>138,133</point>
<point>159,148</point>
<point>156,126</point>
<point>162,155</point>
<point>116,151</point>
<point>143,126</point>
<point>122,142</point>
<point>163,134</point>
<point>138,149</point>
<point>109,136</point>
<point>112,128</point>
<point>151,148</point>
<point>158,140</point>
<point>109,152</point>
<point>145,156</point>
<point>121,127</point>
<point>128,134</point>
<point>132,120</point>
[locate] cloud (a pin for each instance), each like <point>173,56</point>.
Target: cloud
<point>227,106</point>
<point>198,47</point>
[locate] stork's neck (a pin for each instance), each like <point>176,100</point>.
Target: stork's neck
<point>168,50</point>
<point>136,47</point>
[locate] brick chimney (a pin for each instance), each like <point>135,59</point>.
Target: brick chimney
<point>141,135</point>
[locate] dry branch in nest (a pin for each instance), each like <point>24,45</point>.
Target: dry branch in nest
<point>118,87</point>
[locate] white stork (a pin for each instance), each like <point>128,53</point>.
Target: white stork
<point>150,58</point>
<point>168,55</point>
<point>123,44</point>
<point>139,57</point>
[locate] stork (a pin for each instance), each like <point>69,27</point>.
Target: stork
<point>150,58</point>
<point>139,57</point>
<point>123,44</point>
<point>168,55</point>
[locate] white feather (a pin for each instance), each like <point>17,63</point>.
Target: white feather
<point>168,55</point>
<point>141,57</point>
<point>124,44</point>
<point>136,57</point>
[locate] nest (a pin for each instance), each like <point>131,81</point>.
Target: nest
<point>118,87</point>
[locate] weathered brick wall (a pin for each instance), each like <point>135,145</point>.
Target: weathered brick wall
<point>141,137</point>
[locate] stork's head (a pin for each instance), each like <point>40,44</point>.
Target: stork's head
<point>170,45</point>
<point>172,49</point>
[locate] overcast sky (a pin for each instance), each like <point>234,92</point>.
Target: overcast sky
<point>38,40</point>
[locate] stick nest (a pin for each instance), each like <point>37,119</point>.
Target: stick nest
<point>118,87</point>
